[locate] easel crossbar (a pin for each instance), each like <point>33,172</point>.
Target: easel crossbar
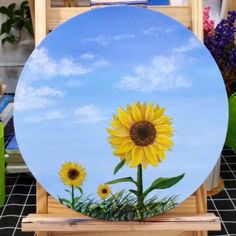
<point>169,222</point>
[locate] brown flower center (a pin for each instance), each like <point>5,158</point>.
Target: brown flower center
<point>143,133</point>
<point>73,174</point>
<point>104,191</point>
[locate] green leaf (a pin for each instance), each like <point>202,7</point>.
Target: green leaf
<point>18,12</point>
<point>3,10</point>
<point>231,134</point>
<point>29,26</point>
<point>10,39</point>
<point>119,166</point>
<point>18,23</point>
<point>24,3</point>
<point>65,202</point>
<point>6,27</point>
<point>10,10</point>
<point>163,183</point>
<point>134,192</point>
<point>121,180</point>
<point>80,189</point>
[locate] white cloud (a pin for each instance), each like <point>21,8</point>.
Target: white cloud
<point>104,39</point>
<point>29,97</point>
<point>48,116</point>
<point>41,65</point>
<point>88,56</point>
<point>193,43</point>
<point>160,74</point>
<point>154,31</point>
<point>163,72</point>
<point>88,114</point>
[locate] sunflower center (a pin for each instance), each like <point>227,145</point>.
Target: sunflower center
<point>143,133</point>
<point>104,191</point>
<point>73,174</point>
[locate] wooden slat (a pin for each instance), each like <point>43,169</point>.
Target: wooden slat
<point>40,20</point>
<point>58,15</point>
<point>182,14</point>
<point>42,204</point>
<point>170,222</point>
<point>197,18</point>
<point>134,233</point>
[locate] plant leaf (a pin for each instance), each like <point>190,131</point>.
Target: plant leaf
<point>6,26</point>
<point>134,192</point>
<point>119,166</point>
<point>10,10</point>
<point>163,183</point>
<point>10,39</point>
<point>80,189</point>
<point>29,26</point>
<point>65,202</point>
<point>24,3</point>
<point>121,180</point>
<point>3,10</point>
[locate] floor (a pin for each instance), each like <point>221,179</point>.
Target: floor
<point>21,200</point>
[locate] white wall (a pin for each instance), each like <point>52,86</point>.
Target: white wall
<point>13,57</point>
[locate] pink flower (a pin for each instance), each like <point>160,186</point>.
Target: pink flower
<point>208,24</point>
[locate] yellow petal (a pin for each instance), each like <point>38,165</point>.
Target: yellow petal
<point>144,162</point>
<point>150,155</point>
<point>124,148</point>
<point>143,110</point>
<point>129,110</point>
<point>164,129</point>
<point>136,113</point>
<point>117,140</point>
<point>160,153</point>
<point>117,124</point>
<point>118,132</point>
<point>164,140</point>
<point>149,114</point>
<point>159,112</point>
<point>137,155</point>
<point>124,118</point>
<point>162,120</point>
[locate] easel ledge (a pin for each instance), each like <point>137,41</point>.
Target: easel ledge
<point>70,223</point>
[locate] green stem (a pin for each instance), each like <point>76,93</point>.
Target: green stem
<point>72,197</point>
<point>140,190</point>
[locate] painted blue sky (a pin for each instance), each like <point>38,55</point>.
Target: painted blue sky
<point>107,58</point>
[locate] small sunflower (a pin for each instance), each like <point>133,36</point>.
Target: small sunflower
<point>72,174</point>
<point>104,191</point>
<point>141,134</point>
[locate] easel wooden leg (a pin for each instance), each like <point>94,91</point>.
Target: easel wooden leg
<point>201,204</point>
<point>41,204</point>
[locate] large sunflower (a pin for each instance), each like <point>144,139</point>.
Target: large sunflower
<point>104,191</point>
<point>141,134</point>
<point>72,174</point>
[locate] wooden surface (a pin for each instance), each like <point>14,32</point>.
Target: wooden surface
<point>170,222</point>
<point>179,13</point>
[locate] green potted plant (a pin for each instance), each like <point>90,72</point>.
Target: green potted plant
<point>17,20</point>
<point>17,42</point>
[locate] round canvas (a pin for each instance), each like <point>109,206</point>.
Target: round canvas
<point>121,113</point>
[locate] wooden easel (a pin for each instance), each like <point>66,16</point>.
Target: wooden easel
<point>52,219</point>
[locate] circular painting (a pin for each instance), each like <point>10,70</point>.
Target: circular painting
<point>120,113</point>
